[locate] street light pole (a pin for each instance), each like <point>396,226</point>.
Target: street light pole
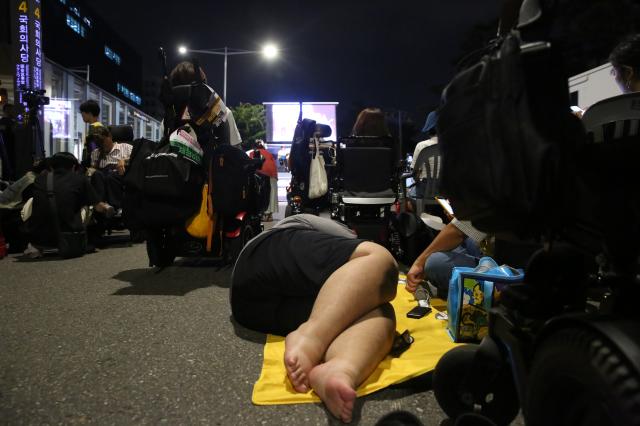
<point>224,86</point>
<point>269,51</point>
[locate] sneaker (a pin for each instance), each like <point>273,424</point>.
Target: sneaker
<point>32,252</point>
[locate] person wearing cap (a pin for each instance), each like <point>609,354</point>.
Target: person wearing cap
<point>430,130</point>
<point>72,192</point>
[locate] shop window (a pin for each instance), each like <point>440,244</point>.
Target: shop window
<point>128,94</point>
<point>109,53</point>
<point>76,26</point>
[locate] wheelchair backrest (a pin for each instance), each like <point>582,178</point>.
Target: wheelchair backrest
<point>609,203</point>
<point>366,169</point>
<point>122,133</point>
<point>429,160</point>
<point>613,118</point>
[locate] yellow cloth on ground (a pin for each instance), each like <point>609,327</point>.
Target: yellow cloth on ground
<point>431,341</point>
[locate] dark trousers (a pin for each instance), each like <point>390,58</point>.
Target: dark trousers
<point>13,229</point>
<point>109,186</point>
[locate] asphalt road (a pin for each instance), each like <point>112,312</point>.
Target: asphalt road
<point>104,339</point>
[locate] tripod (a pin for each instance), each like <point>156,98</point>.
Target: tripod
<point>35,133</point>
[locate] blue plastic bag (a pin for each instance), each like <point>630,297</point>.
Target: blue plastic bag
<point>471,295</point>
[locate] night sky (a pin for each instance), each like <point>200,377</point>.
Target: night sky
<point>371,53</point>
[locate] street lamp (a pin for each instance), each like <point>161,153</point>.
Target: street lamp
<point>269,51</point>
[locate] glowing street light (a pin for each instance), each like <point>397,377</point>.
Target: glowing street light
<point>269,51</point>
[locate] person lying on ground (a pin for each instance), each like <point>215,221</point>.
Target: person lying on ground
<point>311,280</point>
<point>12,201</point>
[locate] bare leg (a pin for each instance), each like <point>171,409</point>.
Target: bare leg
<point>351,358</point>
<point>366,281</point>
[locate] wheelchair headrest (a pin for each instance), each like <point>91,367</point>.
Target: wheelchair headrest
<point>323,130</point>
<point>198,104</point>
<point>307,128</point>
<point>121,133</point>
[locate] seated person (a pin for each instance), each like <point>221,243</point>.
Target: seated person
<point>625,59</point>
<point>371,122</point>
<point>12,200</point>
<point>430,130</point>
<point>109,161</point>
<point>270,170</point>
<point>72,192</point>
<point>310,279</point>
<point>457,244</point>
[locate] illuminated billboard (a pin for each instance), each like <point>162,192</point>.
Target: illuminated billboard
<point>58,113</point>
<point>282,118</point>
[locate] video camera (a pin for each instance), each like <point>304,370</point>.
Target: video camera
<point>33,97</point>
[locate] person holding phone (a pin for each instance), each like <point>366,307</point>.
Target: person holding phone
<point>457,244</point>
<point>310,279</point>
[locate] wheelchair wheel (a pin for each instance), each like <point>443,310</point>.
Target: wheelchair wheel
<point>453,388</point>
<point>235,246</point>
<point>160,249</point>
<point>578,378</point>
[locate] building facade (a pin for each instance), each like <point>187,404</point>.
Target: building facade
<point>64,129</point>
<point>84,59</point>
<point>78,39</point>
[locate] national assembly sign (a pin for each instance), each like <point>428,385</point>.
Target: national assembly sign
<point>28,62</point>
<point>26,38</point>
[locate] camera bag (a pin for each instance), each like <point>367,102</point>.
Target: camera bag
<point>70,243</point>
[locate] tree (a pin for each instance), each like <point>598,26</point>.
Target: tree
<point>251,121</point>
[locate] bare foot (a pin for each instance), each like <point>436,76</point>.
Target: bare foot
<point>301,354</point>
<point>335,388</point>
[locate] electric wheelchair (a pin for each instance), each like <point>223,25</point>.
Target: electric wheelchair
<point>564,346</point>
<point>366,186</point>
<point>194,173</point>
<point>303,147</point>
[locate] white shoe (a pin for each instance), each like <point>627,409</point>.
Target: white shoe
<point>32,252</point>
<point>109,212</point>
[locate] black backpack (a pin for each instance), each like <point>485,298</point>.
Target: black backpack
<point>162,188</point>
<point>233,185</point>
<point>506,134</point>
<point>299,154</point>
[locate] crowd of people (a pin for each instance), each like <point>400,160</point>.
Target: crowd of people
<point>84,192</point>
<point>307,278</point>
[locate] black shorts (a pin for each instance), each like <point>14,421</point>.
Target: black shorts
<point>276,281</point>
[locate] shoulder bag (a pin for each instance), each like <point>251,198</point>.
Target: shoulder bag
<point>70,244</point>
<point>318,185</point>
